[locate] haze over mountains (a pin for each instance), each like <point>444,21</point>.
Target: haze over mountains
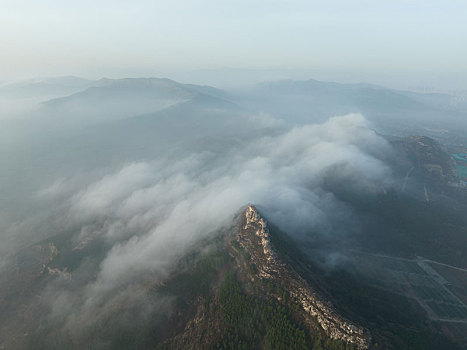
<point>109,187</point>
<point>110,118</point>
<point>287,99</point>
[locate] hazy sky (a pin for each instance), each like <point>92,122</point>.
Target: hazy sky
<point>102,37</point>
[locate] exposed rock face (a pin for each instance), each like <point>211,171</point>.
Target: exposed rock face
<point>57,272</point>
<point>254,237</point>
<point>252,218</point>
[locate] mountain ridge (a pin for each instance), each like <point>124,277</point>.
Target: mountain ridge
<point>257,272</point>
<point>312,303</point>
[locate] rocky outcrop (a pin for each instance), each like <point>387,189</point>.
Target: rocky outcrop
<point>252,218</point>
<point>254,237</point>
<point>59,273</point>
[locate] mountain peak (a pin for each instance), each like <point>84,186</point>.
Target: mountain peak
<point>253,220</point>
<point>254,236</point>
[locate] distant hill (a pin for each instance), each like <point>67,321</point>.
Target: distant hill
<point>322,97</point>
<point>113,99</point>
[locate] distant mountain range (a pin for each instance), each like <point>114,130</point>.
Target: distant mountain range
<point>392,111</point>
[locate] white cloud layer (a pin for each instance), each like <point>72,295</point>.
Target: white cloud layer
<point>155,212</point>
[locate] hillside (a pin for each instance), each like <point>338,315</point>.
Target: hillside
<point>237,294</point>
<point>261,302</point>
<point>247,288</point>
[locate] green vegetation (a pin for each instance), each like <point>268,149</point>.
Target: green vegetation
<point>253,323</point>
<point>197,281</point>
